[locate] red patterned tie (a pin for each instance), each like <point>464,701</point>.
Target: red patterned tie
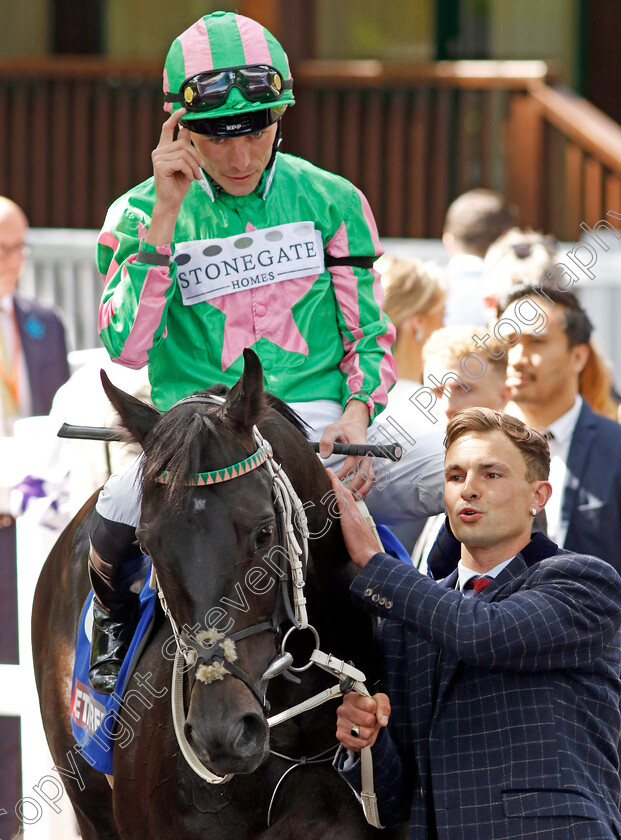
<point>477,583</point>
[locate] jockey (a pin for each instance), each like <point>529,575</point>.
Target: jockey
<point>233,244</point>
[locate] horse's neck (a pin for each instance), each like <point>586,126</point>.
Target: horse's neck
<point>343,629</point>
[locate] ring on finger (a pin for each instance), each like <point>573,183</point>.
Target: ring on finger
<point>355,732</point>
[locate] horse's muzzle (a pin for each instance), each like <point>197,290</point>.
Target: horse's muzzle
<point>228,733</point>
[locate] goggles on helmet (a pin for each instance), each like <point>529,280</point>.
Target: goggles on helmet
<point>208,90</point>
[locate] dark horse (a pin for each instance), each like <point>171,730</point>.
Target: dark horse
<point>207,545</point>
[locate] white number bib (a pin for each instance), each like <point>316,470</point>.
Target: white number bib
<point>214,267</point>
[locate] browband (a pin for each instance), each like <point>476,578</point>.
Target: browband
<point>226,473</point>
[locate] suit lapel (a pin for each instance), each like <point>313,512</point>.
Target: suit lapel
<point>581,442</point>
<point>515,567</point>
<point>450,581</point>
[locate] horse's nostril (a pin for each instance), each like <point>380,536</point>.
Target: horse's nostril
<point>248,733</point>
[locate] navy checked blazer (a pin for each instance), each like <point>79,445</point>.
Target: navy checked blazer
<point>505,706</point>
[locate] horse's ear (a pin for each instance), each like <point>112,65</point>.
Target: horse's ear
<point>246,398</point>
<point>137,417</point>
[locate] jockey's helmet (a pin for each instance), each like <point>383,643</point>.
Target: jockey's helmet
<point>230,74</point>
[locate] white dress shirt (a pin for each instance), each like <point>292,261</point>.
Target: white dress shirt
<point>7,325</point>
<point>562,431</point>
<point>464,302</point>
<point>464,575</point>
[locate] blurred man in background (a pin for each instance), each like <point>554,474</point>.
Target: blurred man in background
<point>546,363</point>
<point>516,258</point>
<point>473,221</point>
<point>33,364</point>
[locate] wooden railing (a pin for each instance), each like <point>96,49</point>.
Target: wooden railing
<point>563,160</point>
<point>412,138</point>
<point>77,133</point>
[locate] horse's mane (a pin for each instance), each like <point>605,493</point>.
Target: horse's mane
<point>182,435</point>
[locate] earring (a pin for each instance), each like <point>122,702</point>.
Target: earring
<point>419,334</point>
<point>533,511</point>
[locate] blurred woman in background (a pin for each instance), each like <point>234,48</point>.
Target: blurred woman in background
<point>414,299</point>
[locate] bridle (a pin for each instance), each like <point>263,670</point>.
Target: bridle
<point>218,649</point>
<point>213,652</point>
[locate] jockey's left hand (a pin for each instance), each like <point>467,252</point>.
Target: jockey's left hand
<point>357,471</point>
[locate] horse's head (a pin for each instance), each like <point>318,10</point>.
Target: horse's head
<point>211,527</point>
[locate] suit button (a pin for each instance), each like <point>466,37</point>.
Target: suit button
<point>368,593</point>
<point>375,598</point>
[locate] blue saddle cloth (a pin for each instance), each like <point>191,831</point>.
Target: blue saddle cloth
<point>93,714</point>
<point>392,545</point>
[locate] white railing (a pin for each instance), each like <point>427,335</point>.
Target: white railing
<point>62,272</point>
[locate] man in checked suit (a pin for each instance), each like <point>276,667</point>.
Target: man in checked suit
<point>501,713</point>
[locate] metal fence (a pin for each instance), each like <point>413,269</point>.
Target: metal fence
<point>62,272</point>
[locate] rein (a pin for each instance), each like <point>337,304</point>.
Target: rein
<point>219,649</point>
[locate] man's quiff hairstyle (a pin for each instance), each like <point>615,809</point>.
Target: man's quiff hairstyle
<point>480,421</point>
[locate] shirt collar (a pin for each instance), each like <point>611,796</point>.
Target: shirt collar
<point>464,574</point>
<point>213,189</point>
<point>563,427</point>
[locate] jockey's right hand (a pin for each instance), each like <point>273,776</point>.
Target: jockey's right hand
<point>176,163</point>
<point>367,715</point>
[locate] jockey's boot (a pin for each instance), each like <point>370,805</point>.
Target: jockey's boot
<point>115,616</point>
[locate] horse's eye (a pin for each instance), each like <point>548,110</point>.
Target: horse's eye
<point>264,534</point>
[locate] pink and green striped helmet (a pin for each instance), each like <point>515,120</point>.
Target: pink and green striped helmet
<point>227,66</point>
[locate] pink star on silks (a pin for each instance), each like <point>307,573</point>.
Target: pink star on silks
<point>262,312</point>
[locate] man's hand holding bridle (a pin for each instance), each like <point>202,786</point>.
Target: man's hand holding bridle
<point>359,719</point>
